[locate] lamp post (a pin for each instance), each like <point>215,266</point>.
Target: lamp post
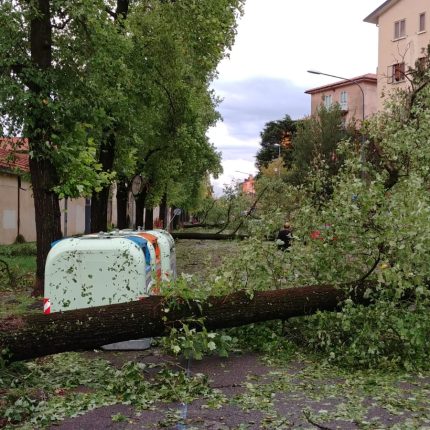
<point>314,72</point>
<point>279,157</point>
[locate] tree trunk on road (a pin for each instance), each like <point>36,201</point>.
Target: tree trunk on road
<point>30,336</point>
<point>206,236</point>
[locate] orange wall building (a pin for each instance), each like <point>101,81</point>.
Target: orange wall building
<point>348,94</point>
<point>403,37</point>
<point>248,185</point>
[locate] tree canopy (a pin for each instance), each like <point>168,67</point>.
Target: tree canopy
<point>104,90</point>
<point>278,132</point>
<point>373,225</point>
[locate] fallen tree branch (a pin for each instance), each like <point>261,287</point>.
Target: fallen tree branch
<point>30,336</point>
<point>307,415</point>
<point>201,225</point>
<point>207,236</point>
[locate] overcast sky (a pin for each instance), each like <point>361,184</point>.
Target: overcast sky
<point>265,77</point>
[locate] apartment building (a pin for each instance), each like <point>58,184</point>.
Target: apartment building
<point>16,197</point>
<point>248,185</point>
<point>402,41</point>
<point>356,97</point>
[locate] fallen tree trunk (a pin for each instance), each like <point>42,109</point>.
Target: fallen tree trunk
<point>207,236</point>
<point>30,336</point>
<point>201,225</point>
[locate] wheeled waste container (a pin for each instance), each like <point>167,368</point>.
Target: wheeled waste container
<point>107,268</point>
<point>166,244</point>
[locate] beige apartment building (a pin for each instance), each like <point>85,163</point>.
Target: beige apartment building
<point>16,198</point>
<point>404,33</point>
<point>356,97</point>
<point>17,204</point>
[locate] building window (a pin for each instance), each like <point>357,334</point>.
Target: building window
<point>327,100</point>
<point>397,72</point>
<point>343,101</point>
<point>422,23</point>
<point>400,29</point>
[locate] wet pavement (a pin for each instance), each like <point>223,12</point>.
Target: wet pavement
<point>256,396</point>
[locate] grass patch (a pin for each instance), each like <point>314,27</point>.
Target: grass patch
<point>17,271</point>
<point>17,303</point>
<point>18,249</point>
<point>21,264</point>
<point>17,265</point>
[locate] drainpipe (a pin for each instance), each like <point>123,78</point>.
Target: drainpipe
<point>18,221</point>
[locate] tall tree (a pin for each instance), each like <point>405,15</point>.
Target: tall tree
<point>108,143</point>
<point>316,140</point>
<point>45,97</point>
<point>279,132</point>
<point>180,44</point>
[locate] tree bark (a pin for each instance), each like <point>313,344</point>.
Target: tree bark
<point>47,215</point>
<point>140,208</point>
<point>201,225</point>
<point>207,236</point>
<point>99,201</point>
<point>175,219</point>
<point>38,131</point>
<point>30,336</point>
<point>149,219</point>
<point>121,204</point>
<point>163,211</point>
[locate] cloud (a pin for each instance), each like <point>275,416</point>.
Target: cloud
<point>265,77</point>
<point>247,105</point>
<point>230,146</point>
<point>234,171</point>
<point>283,39</point>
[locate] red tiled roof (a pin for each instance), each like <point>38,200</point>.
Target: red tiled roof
<point>14,154</point>
<point>369,77</point>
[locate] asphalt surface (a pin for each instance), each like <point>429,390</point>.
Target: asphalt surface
<point>231,376</point>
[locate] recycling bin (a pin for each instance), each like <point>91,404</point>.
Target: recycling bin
<point>154,250</point>
<point>166,243</point>
<point>97,270</point>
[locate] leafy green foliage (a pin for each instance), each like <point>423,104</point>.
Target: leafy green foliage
<point>373,224</point>
<point>17,263</point>
<point>195,344</point>
<point>228,212</point>
<point>42,393</point>
<point>180,45</point>
<point>317,138</point>
<point>324,396</point>
<point>278,132</point>
<point>266,338</point>
<point>353,221</point>
<point>21,249</point>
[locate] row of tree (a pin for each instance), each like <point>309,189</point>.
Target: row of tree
<point>104,90</point>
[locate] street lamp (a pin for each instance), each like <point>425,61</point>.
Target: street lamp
<point>279,157</point>
<point>314,72</point>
